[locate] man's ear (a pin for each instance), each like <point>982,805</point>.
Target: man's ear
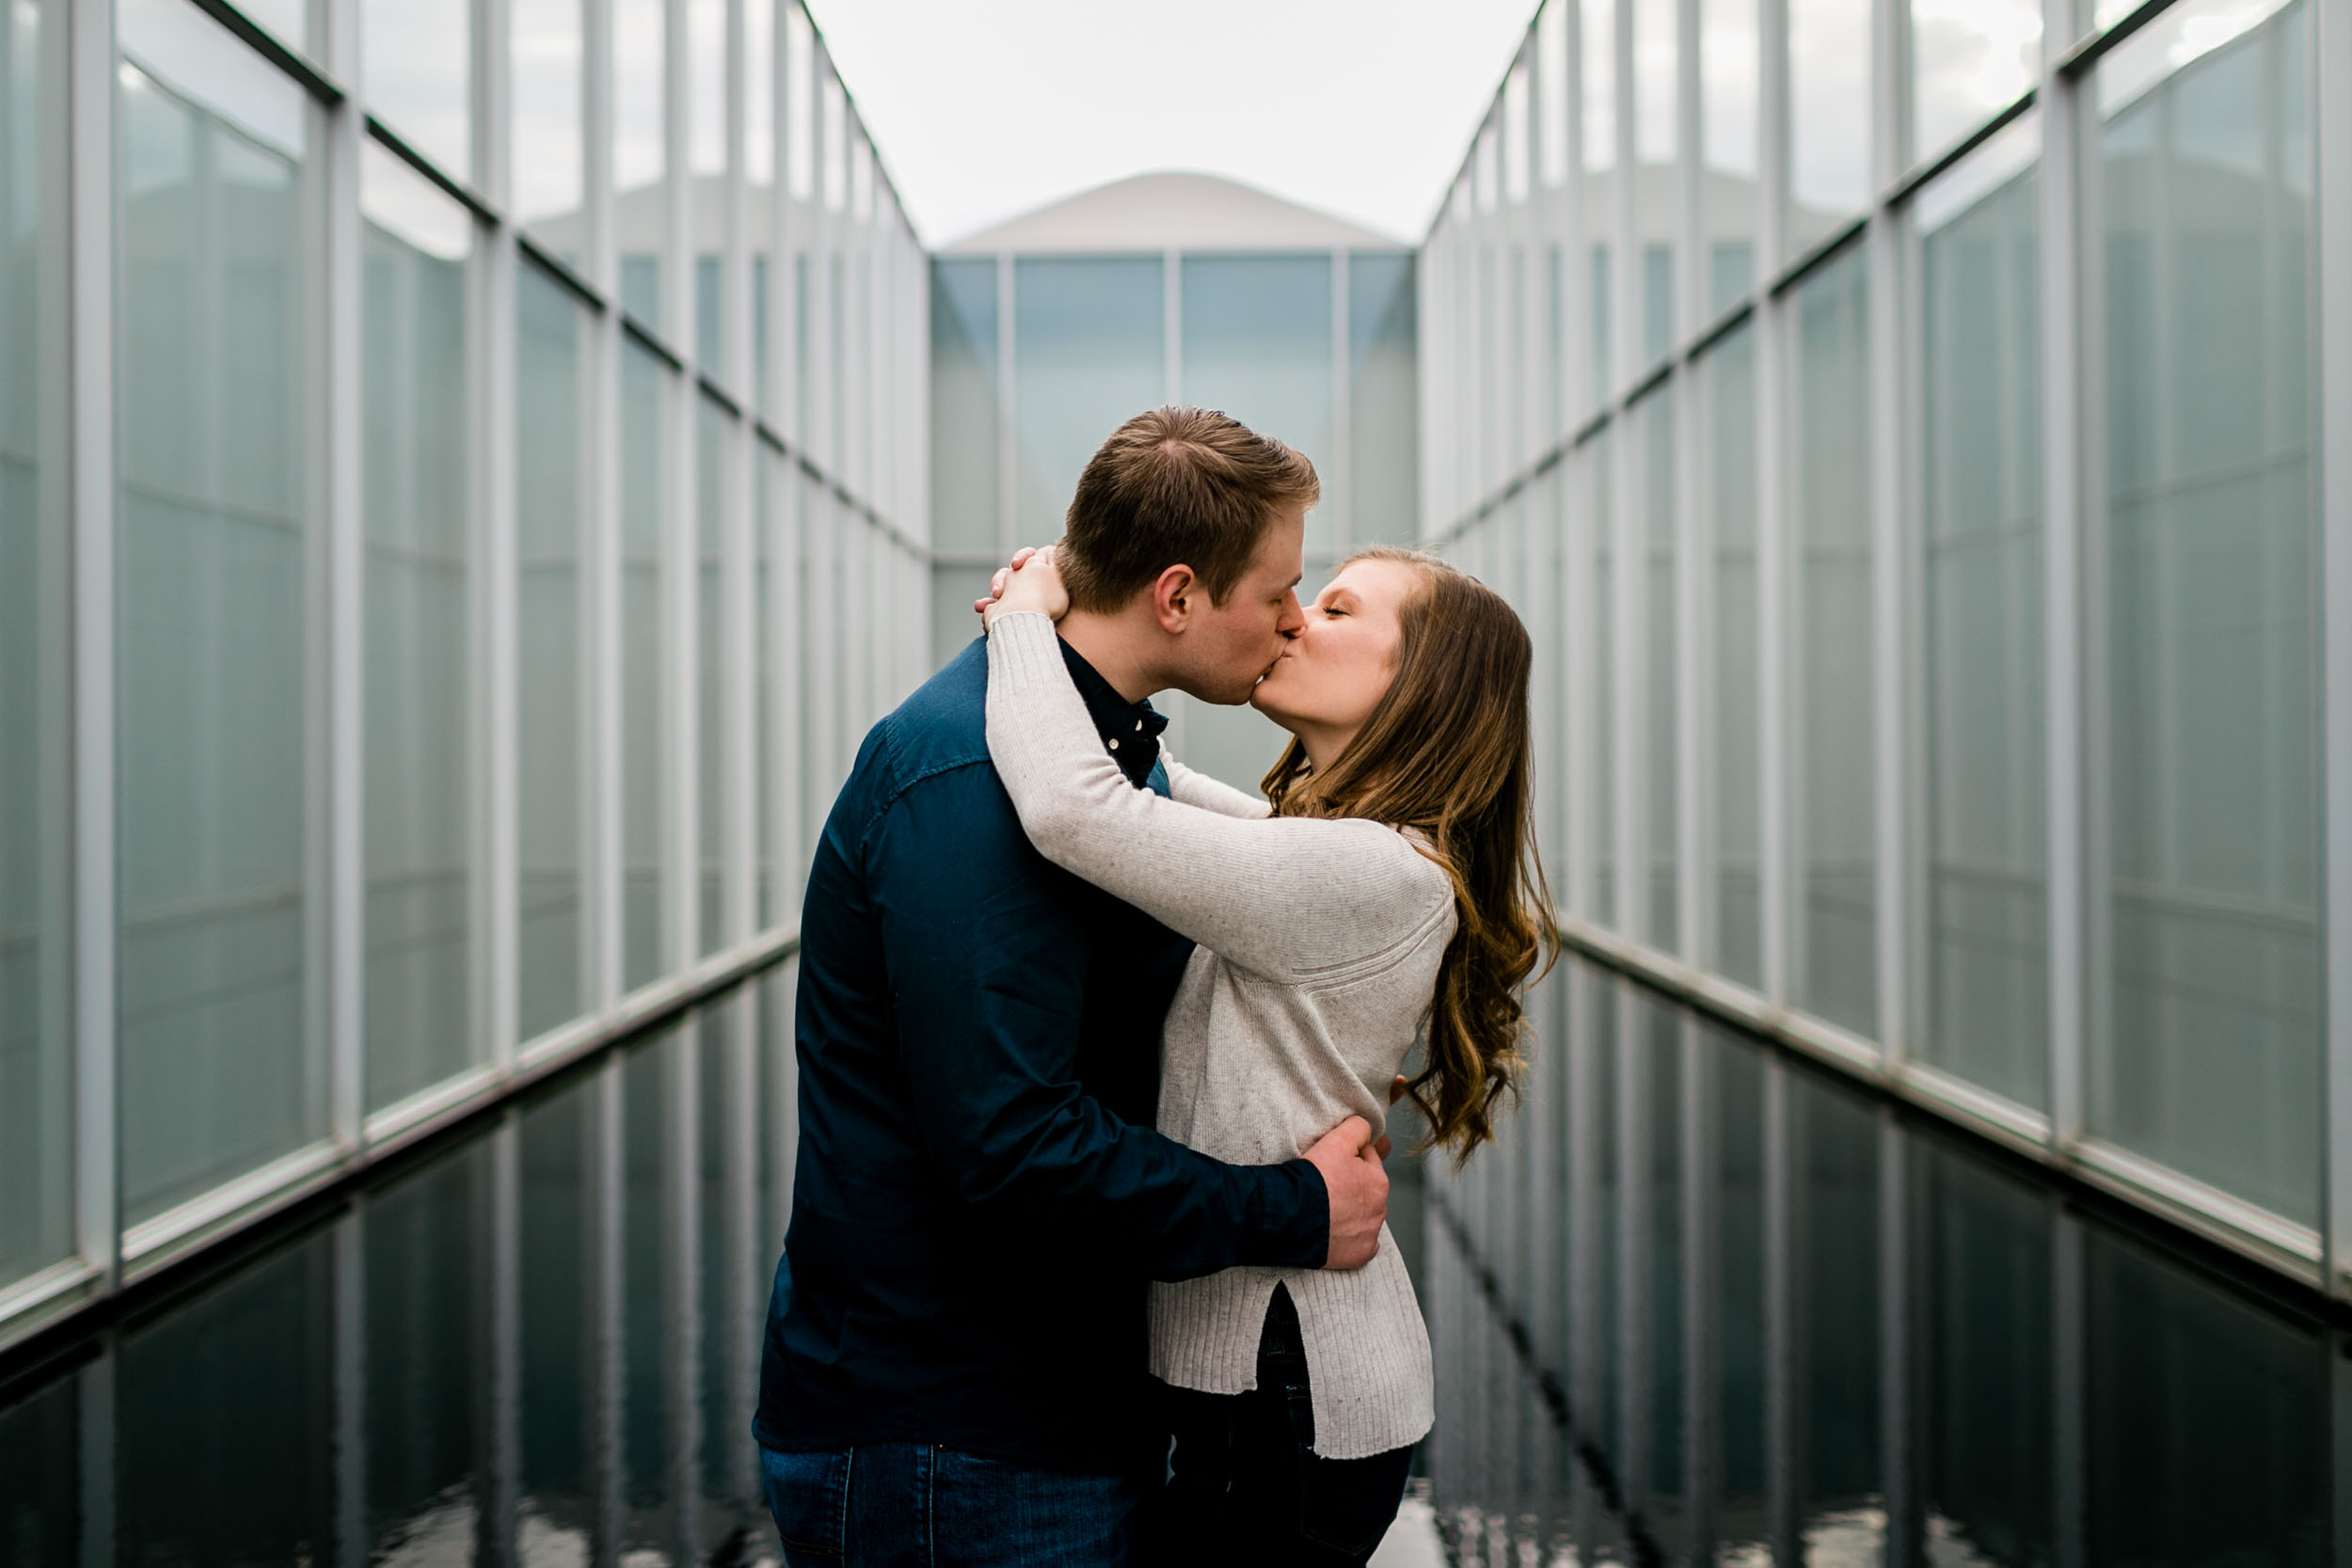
<point>1174,599</point>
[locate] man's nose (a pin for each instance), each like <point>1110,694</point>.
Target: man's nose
<point>1294,619</point>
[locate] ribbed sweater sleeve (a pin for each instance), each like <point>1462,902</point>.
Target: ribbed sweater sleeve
<point>1295,899</point>
<point>1198,789</point>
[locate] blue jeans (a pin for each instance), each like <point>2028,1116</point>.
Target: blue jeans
<point>883,1505</point>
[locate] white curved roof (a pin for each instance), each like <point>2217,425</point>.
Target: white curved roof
<point>1170,212</point>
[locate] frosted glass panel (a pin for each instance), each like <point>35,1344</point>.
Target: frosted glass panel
<point>417,76</point>
<point>2206,1048</point>
<point>964,383</point>
<point>711,742</point>
<point>222,1066</point>
<point>1383,401</point>
<point>646,388</point>
<point>1258,345</point>
<point>1837,926</point>
<point>1829,116</point>
<point>1986,1002</point>
<point>1654,421</point>
<point>640,156</point>
<point>1729,782</point>
<point>551,671</point>
<point>36,1064</point>
<point>547,65</point>
<point>420,569</point>
<point>1088,355</point>
<point>1729,128</point>
<point>1596,528</point>
<point>1971,59</point>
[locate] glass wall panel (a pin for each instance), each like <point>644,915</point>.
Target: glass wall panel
<point>1600,532</point>
<point>1383,400</point>
<point>964,415</point>
<point>1970,59</point>
<point>639,153</point>
<point>1829,402</point>
<point>2206,1048</point>
<point>1088,354</point>
<point>422,569</point>
<point>1730,124</point>
<point>1656,142</point>
<point>713,434</point>
<point>1257,336</point>
<point>1986,998</point>
<point>706,169</point>
<point>221,1065</point>
<point>1729,782</point>
<point>546,84</point>
<point>416,66</point>
<point>647,388</point>
<point>1596,24</point>
<point>1829,116</point>
<point>1654,418</point>
<point>551,643</point>
<point>35,1040</point>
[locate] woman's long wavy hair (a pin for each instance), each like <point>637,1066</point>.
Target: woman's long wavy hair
<point>1446,751</point>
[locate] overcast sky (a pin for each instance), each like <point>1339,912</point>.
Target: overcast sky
<point>1363,108</point>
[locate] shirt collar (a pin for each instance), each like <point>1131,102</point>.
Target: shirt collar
<point>1130,730</point>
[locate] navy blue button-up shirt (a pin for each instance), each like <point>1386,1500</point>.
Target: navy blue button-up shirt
<point>980,1196</point>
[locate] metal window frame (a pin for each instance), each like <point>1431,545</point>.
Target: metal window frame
<point>2333,102</point>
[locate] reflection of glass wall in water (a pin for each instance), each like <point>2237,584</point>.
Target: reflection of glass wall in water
<point>1770,1320</point>
<point>216,556</point>
<point>538,1345</point>
<point>1968,712</point>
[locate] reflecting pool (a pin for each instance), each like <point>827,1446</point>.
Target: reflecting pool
<point>1703,1305</point>
<point>1710,1304</point>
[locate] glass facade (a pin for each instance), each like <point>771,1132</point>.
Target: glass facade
<point>1035,358</point>
<point>1941,563</point>
<point>425,695</point>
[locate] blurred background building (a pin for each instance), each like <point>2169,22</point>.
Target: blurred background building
<point>471,472</point>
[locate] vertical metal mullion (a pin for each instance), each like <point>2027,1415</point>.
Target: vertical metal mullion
<point>1629,532</point>
<point>742,1255</point>
<point>2070,1423</point>
<point>608,1400</point>
<point>1694,575</point>
<point>738,837</point>
<point>1890,659</point>
<point>784,607</point>
<point>497,854</point>
<point>2333,99</point>
<point>2064,533</point>
<point>1783,1387</point>
<point>1775,672</point>
<point>346,620</point>
<point>87,44</point>
<point>681,550</point>
<point>605,882</point>
<point>1904,1521</point>
<point>1634,1238</point>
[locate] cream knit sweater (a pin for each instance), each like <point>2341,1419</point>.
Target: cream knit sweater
<point>1319,946</point>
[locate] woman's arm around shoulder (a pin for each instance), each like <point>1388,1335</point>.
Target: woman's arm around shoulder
<point>1284,897</point>
<point>1195,788</point>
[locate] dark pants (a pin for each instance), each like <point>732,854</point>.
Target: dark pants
<point>884,1505</point>
<point>1245,1484</point>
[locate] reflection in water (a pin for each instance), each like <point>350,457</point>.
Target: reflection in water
<point>537,1345</point>
<point>1702,1306</point>
<point>1709,1307</point>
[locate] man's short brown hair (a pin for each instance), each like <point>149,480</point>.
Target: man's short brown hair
<point>1175,486</point>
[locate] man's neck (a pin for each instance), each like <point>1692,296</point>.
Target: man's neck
<point>1109,644</point>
